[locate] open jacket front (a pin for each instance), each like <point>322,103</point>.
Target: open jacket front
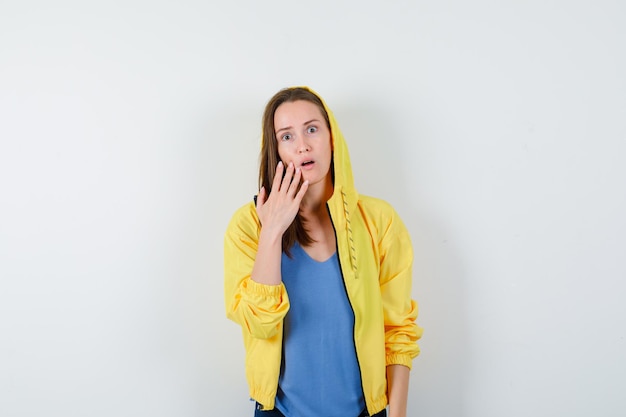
<point>376,257</point>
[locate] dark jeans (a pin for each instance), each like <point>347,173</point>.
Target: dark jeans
<point>276,413</point>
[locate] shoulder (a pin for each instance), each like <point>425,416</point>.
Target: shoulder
<point>381,216</point>
<point>376,208</point>
<point>244,221</point>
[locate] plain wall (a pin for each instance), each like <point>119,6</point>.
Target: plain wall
<point>129,133</point>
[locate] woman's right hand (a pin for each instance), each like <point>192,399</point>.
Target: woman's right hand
<point>277,211</point>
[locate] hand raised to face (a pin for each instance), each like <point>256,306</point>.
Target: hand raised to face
<point>277,210</point>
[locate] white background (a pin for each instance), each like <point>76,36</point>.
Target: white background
<point>129,134</point>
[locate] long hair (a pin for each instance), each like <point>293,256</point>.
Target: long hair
<point>269,158</point>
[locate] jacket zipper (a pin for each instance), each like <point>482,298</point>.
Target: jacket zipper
<point>345,288</point>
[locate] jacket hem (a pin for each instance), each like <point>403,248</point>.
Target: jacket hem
<point>267,401</point>
<point>377,405</point>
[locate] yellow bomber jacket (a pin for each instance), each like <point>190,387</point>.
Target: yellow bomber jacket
<point>375,254</point>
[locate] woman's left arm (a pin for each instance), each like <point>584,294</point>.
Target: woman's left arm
<point>397,389</point>
<point>399,309</point>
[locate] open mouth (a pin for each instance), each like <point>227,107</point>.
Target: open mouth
<point>307,163</point>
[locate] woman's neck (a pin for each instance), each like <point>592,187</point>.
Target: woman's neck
<point>316,197</point>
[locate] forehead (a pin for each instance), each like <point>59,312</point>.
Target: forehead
<point>295,113</point>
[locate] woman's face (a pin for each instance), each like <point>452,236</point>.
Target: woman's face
<point>304,139</point>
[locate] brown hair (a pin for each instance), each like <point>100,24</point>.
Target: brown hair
<point>269,158</point>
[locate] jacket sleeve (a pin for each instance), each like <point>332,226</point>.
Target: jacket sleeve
<point>400,310</point>
<point>258,308</point>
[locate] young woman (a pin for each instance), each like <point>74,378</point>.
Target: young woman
<point>319,276</point>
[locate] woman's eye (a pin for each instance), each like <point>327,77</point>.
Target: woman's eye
<point>311,129</point>
<point>286,137</point>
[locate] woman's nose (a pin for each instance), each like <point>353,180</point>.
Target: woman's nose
<point>301,145</point>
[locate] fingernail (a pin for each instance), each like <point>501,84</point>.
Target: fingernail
<point>297,170</point>
<point>280,163</point>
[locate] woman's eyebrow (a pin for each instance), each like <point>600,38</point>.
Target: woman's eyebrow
<point>284,128</point>
<point>290,127</point>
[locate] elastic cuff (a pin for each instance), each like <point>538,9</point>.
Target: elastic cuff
<point>265,290</point>
<point>399,359</point>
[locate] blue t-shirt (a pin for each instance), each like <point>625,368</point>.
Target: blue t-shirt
<point>320,374</point>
